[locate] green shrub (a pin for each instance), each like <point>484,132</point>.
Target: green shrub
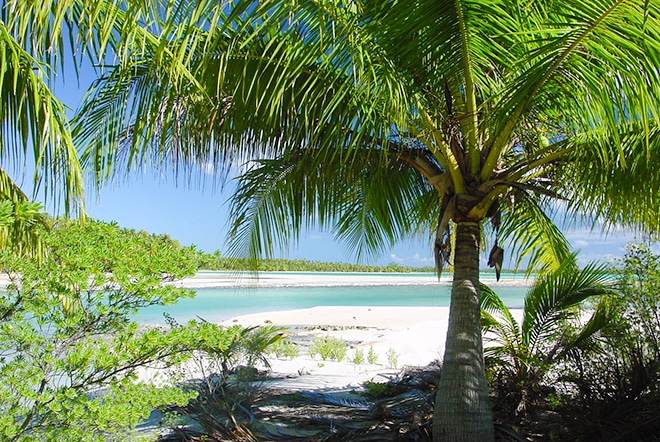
<point>392,358</point>
<point>380,390</point>
<point>615,391</point>
<point>66,328</point>
<point>372,357</point>
<point>285,349</point>
<point>328,348</point>
<point>358,357</point>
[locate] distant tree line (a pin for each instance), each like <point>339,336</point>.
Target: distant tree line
<point>215,261</point>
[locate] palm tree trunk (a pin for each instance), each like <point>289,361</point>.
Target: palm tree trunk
<point>462,407</point>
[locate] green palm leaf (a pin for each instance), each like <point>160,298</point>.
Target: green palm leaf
<point>554,299</point>
<point>503,344</point>
<point>362,204</point>
<point>33,124</point>
<point>609,159</point>
<point>533,236</point>
<point>552,327</point>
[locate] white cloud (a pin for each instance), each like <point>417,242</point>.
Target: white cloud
<point>422,260</point>
<point>415,260</point>
<point>580,236</point>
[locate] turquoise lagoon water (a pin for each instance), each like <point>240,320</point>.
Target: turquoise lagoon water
<point>219,304</point>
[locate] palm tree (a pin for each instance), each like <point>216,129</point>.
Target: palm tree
<point>463,121</point>
<point>33,122</point>
<point>37,41</point>
<point>553,326</point>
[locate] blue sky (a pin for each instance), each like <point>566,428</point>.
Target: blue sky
<point>195,216</point>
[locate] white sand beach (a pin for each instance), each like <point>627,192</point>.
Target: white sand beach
<point>326,279</point>
<point>399,336</point>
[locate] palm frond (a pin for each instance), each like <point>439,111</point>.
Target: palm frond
<point>553,298</point>
<point>362,202</point>
<point>312,82</point>
<point>613,176</point>
<point>21,226</point>
<point>492,303</point>
<point>533,236</point>
<point>33,124</point>
<point>586,339</point>
<point>593,61</point>
<point>501,328</point>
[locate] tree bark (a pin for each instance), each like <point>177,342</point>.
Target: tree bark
<point>462,406</point>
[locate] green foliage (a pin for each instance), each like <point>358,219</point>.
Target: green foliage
<point>66,332</point>
<point>639,304</point>
<point>226,360</point>
<point>215,261</point>
<point>226,349</point>
<point>392,358</point>
<point>34,126</point>
<point>21,223</point>
<point>285,348</point>
<point>372,357</point>
<point>328,348</point>
<point>615,393</point>
<point>380,390</point>
<point>553,328</point>
<point>358,357</point>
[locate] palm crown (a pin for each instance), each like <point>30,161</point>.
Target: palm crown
<point>490,108</point>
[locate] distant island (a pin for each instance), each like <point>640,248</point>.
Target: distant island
<point>215,261</point>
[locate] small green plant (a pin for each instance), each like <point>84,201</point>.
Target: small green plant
<point>328,348</point>
<point>358,357</point>
<point>372,357</point>
<point>555,400</point>
<point>285,349</point>
<point>380,390</point>
<point>392,358</point>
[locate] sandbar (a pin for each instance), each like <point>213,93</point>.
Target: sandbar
<point>207,279</point>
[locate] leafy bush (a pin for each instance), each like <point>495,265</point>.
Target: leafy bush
<point>392,358</point>
<point>616,392</point>
<point>380,390</point>
<point>226,360</point>
<point>524,357</point>
<point>66,331</point>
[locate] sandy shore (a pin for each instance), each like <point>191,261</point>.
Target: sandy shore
<point>399,336</point>
<point>208,279</point>
<point>330,279</point>
<point>301,279</point>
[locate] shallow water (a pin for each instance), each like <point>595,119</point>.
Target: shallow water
<point>219,304</point>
